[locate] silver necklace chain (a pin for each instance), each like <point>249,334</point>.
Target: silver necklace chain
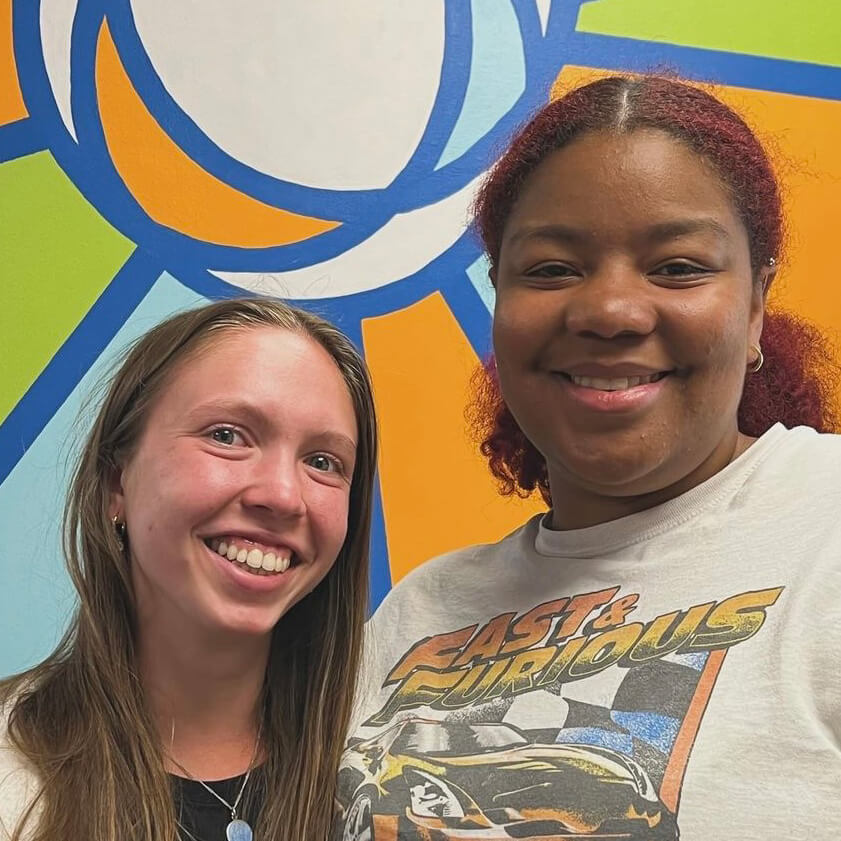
<point>183,828</point>
<point>231,808</point>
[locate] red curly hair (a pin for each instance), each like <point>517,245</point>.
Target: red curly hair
<point>796,385</point>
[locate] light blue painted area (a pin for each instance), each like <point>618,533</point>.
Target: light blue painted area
<point>497,75</point>
<point>478,274</point>
<point>37,598</point>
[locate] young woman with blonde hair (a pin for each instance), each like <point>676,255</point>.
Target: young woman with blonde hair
<point>216,531</point>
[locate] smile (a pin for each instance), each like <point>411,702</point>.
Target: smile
<point>614,383</point>
<point>250,558</point>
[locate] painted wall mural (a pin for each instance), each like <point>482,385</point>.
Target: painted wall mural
<point>154,155</point>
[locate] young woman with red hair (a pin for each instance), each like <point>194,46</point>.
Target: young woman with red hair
<point>657,656</point>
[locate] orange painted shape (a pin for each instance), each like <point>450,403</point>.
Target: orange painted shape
<point>803,136</point>
<point>170,186</point>
<point>12,107</point>
<point>437,491</point>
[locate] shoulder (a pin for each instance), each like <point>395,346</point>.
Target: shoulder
<point>464,570</point>
<point>801,456</point>
<point>806,441</point>
<point>18,781</point>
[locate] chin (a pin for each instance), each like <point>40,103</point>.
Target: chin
<point>614,473</point>
<point>252,624</point>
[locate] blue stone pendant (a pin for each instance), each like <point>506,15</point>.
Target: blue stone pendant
<point>239,831</point>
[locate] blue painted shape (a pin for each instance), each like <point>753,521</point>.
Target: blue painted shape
<point>466,305</point>
<point>660,731</point>
<point>20,138</point>
<point>90,167</point>
<point>611,52</point>
<point>299,198</point>
<point>497,76</point>
<point>477,272</point>
<point>84,345</point>
<point>37,596</point>
<point>380,575</point>
<point>621,742</point>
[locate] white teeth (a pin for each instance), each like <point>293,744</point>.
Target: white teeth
<point>252,558</point>
<point>615,383</point>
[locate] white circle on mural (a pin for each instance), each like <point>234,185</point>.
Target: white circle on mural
<point>277,85</point>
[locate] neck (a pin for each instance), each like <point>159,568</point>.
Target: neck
<point>204,691</point>
<point>577,507</point>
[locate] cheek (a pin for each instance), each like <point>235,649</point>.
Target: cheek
<point>174,492</point>
<point>725,341</point>
<point>708,332</point>
<point>328,512</point>
<point>517,312</point>
<point>520,328</point>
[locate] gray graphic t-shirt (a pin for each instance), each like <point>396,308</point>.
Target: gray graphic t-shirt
<point>673,674</point>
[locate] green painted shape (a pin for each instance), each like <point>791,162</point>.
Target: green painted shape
<point>58,254</point>
<point>809,30</point>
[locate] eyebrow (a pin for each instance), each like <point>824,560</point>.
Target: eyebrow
<point>335,440</point>
<point>658,232</point>
<point>229,407</point>
<point>557,232</point>
<point>680,227</point>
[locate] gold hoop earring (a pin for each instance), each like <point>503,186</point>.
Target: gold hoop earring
<point>758,362</point>
<point>120,530</point>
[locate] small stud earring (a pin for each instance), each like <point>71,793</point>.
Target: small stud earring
<point>120,529</point>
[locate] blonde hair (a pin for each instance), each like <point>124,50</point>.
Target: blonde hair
<point>80,716</point>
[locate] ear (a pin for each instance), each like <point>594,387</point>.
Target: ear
<point>759,297</point>
<point>492,275</point>
<point>116,502</point>
<point>766,278</point>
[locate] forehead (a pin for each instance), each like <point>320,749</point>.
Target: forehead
<point>269,367</point>
<point>623,180</point>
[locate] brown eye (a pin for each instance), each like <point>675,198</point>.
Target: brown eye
<point>551,270</point>
<point>678,270</point>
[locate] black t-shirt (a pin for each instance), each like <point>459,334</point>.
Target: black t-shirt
<point>202,817</point>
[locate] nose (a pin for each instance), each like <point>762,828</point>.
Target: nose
<point>613,301</point>
<point>275,486</point>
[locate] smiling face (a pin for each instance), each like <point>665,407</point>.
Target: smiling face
<point>625,314</point>
<point>251,444</point>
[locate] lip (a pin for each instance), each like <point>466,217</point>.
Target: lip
<point>634,399</point>
<point>247,582</point>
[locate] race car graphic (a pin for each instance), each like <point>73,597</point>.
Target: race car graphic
<point>430,781</point>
